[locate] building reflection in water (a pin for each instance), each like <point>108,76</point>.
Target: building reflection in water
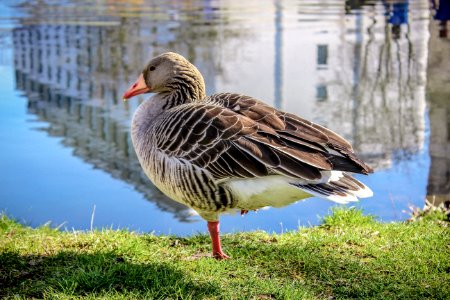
<point>360,72</point>
<point>438,91</point>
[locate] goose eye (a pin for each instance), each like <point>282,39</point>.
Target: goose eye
<point>152,68</point>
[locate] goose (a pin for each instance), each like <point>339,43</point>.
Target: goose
<point>230,152</point>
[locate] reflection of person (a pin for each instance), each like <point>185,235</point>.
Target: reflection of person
<point>442,14</point>
<point>397,13</point>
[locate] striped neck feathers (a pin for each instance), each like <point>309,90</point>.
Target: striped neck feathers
<point>187,86</point>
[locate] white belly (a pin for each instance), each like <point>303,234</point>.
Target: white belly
<point>272,190</point>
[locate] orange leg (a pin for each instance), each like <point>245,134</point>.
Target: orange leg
<point>213,228</point>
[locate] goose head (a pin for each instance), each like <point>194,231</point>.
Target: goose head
<point>168,73</point>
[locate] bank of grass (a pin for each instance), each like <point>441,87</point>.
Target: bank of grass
<point>349,256</point>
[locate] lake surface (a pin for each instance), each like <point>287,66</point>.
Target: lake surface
<point>376,72</point>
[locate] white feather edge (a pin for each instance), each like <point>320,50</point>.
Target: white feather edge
<point>361,193</point>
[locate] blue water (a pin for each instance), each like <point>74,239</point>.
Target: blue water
<point>65,154</point>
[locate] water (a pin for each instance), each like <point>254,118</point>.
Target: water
<point>359,69</point>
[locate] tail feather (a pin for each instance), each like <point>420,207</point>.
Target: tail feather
<point>340,189</point>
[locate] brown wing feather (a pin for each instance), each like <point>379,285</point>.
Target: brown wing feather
<point>293,130</point>
<point>238,136</point>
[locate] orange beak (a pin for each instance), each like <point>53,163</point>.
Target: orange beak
<point>139,87</point>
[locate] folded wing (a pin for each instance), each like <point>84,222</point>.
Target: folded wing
<point>236,136</point>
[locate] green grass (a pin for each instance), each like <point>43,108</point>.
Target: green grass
<point>349,256</point>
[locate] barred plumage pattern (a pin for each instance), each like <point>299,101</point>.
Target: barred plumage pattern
<point>199,149</point>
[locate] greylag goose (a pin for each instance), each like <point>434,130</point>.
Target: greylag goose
<point>231,152</point>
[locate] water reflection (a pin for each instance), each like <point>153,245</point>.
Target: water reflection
<point>358,67</point>
<point>442,14</point>
<point>438,91</point>
<point>360,76</point>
